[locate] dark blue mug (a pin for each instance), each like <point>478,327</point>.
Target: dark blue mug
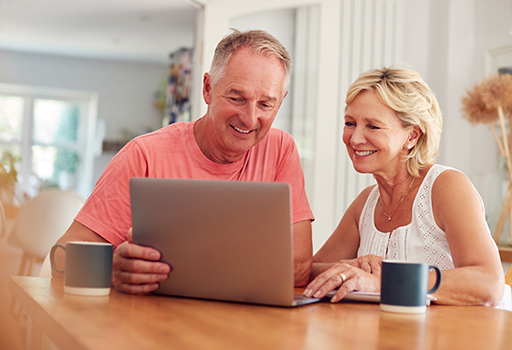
<point>88,269</point>
<point>404,286</point>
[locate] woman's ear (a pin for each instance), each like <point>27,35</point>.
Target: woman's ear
<point>414,136</point>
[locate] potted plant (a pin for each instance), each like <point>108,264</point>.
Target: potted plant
<point>66,168</point>
<point>490,102</point>
<point>8,177</point>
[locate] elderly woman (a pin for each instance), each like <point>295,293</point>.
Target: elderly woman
<point>418,211</point>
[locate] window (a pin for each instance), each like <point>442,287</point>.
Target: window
<point>50,135</point>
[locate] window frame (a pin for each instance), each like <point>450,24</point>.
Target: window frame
<point>87,142</point>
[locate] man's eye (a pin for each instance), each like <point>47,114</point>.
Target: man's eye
<point>236,100</point>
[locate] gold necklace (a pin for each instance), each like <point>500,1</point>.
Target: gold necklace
<point>401,200</point>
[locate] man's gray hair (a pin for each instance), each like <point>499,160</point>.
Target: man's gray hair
<point>258,40</point>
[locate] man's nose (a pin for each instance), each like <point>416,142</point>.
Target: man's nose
<point>250,115</point>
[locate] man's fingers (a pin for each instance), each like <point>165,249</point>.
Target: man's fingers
<point>136,269</point>
<point>139,278</point>
<point>137,289</point>
<point>141,266</point>
<point>135,251</point>
<point>137,283</point>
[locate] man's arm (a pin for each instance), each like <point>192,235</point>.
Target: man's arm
<point>135,269</point>
<point>302,251</point>
<point>75,232</point>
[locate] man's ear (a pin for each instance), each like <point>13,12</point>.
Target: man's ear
<point>207,88</point>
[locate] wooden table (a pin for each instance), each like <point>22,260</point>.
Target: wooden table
<point>122,321</point>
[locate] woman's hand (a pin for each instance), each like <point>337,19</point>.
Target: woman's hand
<point>346,278</point>
<point>368,263</point>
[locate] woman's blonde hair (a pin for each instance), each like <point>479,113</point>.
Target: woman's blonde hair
<point>404,91</point>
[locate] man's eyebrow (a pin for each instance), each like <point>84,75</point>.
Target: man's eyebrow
<point>241,93</point>
<point>235,91</point>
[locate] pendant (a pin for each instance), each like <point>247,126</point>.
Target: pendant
<point>389,218</point>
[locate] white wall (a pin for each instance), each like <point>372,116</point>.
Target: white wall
<point>125,89</point>
<point>446,42</point>
<point>493,22</point>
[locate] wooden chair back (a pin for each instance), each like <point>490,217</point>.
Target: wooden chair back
<point>508,277</point>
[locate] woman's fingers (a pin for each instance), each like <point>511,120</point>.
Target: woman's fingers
<point>345,278</point>
<point>327,281</point>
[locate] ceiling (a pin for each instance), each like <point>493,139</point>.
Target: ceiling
<point>135,30</point>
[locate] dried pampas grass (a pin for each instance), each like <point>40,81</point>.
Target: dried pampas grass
<point>480,104</point>
<point>497,91</point>
<point>474,108</point>
<point>489,103</point>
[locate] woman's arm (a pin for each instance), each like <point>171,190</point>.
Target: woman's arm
<point>336,264</point>
<point>477,278</point>
<point>344,241</point>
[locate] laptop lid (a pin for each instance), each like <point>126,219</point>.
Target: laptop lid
<point>225,240</point>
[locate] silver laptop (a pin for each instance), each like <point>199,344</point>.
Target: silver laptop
<point>225,240</point>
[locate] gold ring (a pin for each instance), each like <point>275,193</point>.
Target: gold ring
<point>343,278</point>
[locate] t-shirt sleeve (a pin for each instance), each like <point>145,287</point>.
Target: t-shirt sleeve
<point>290,171</point>
<point>107,211</point>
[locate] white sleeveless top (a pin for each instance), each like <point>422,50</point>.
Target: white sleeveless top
<point>421,240</point>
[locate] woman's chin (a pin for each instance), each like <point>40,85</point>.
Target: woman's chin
<point>362,169</point>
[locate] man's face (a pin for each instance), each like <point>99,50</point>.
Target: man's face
<point>242,104</point>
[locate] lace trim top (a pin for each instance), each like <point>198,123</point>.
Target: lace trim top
<point>420,240</point>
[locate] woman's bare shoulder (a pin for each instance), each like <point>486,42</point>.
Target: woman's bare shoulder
<point>451,180</point>
<point>358,203</point>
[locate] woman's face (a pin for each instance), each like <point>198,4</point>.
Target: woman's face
<point>375,138</point>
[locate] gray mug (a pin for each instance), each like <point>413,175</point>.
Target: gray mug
<point>404,286</point>
<point>88,269</point>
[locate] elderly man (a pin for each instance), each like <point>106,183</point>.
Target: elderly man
<point>234,140</point>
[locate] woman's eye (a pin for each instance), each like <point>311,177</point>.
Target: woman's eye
<point>349,124</point>
<point>373,127</point>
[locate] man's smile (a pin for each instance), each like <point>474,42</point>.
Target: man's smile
<point>241,130</point>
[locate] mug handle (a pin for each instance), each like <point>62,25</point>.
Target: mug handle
<point>52,257</point>
<point>438,278</point>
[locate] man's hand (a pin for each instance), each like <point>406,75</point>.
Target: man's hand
<point>136,269</point>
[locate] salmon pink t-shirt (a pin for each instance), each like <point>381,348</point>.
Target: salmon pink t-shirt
<point>172,152</point>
